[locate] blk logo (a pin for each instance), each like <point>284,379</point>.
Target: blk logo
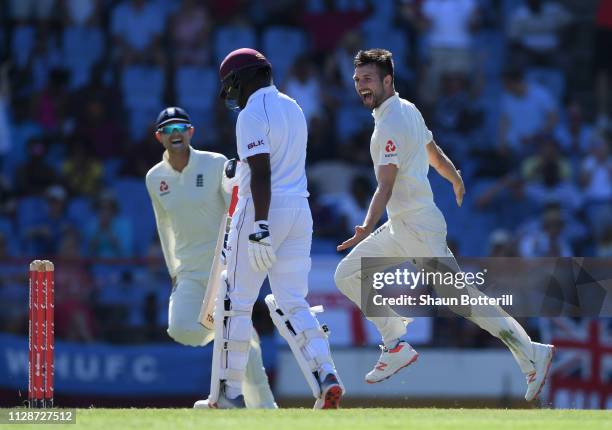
<point>390,147</point>
<point>254,144</point>
<point>200,180</point>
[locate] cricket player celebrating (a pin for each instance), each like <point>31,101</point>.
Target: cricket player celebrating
<point>402,149</point>
<point>188,192</point>
<point>271,235</point>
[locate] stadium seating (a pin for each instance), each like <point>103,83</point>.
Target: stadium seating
<point>142,89</point>
<point>134,204</point>
<point>283,55</point>
<point>82,47</point>
<point>196,91</point>
<point>22,44</point>
<point>232,37</point>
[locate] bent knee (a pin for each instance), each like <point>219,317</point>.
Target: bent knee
<point>343,272</point>
<point>192,335</point>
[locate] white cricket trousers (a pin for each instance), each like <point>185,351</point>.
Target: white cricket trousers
<point>423,234</point>
<point>184,327</point>
<point>290,224</point>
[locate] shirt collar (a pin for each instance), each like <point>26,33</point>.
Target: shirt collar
<point>262,91</point>
<point>378,112</point>
<point>189,163</point>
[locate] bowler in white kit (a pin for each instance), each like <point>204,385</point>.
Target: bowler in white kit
<point>270,235</point>
<point>189,199</point>
<point>402,149</point>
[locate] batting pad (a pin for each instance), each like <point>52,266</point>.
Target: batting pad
<point>220,371</point>
<point>298,341</point>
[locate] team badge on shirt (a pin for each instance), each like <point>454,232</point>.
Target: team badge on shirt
<point>163,188</point>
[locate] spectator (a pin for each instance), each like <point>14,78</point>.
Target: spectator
<point>341,61</point>
<point>27,10</point>
<point>550,186</point>
<point>74,317</point>
<point>5,95</point>
<point>533,168</point>
<point>501,244</point>
<point>44,237</point>
<point>104,136</point>
<point>190,33</point>
<point>574,134</point>
<point>136,27</point>
<point>35,175</point>
<point>548,240</point>
<point>353,207</point>
<point>303,85</point>
<point>596,183</point>
<point>81,12</point>
<point>109,235</point>
<point>4,251</point>
<point>535,29</point>
<point>22,128</point>
<point>603,247</point>
<point>449,25</point>
<point>81,171</point>
<point>527,111</point>
<point>603,62</point>
<point>52,102</point>
<point>327,225</point>
<point>457,115</point>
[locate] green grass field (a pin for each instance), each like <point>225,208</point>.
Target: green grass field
<point>353,419</point>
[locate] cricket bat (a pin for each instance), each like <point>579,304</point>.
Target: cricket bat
<point>208,304</point>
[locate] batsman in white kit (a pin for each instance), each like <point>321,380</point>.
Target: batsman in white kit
<point>189,193</point>
<point>402,149</point>
<point>271,235</point>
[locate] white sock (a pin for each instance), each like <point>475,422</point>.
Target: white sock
<point>392,343</point>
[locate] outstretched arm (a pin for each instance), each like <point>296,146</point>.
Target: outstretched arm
<point>386,179</point>
<point>445,167</point>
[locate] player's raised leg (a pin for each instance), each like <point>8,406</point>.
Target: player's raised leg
<point>395,353</point>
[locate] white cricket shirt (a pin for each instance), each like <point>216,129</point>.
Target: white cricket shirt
<point>273,123</point>
<point>400,137</point>
<point>188,206</point>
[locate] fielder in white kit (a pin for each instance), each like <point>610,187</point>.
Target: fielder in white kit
<point>189,193</point>
<point>270,235</point>
<point>402,149</point>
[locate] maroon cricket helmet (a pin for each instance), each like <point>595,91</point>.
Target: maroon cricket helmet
<point>240,59</point>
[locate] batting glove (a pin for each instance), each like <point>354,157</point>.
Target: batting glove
<point>261,253</point>
<point>230,178</point>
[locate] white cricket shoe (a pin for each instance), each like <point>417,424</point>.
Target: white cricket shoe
<point>222,403</point>
<point>543,355</point>
<point>392,361</point>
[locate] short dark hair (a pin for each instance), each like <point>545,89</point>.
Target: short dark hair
<point>382,58</point>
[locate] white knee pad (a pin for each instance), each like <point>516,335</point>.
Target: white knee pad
<point>221,372</point>
<point>297,342</point>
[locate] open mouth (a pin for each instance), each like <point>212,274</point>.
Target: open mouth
<point>176,143</point>
<point>366,96</point>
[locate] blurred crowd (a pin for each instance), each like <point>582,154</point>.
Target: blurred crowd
<point>517,92</point>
